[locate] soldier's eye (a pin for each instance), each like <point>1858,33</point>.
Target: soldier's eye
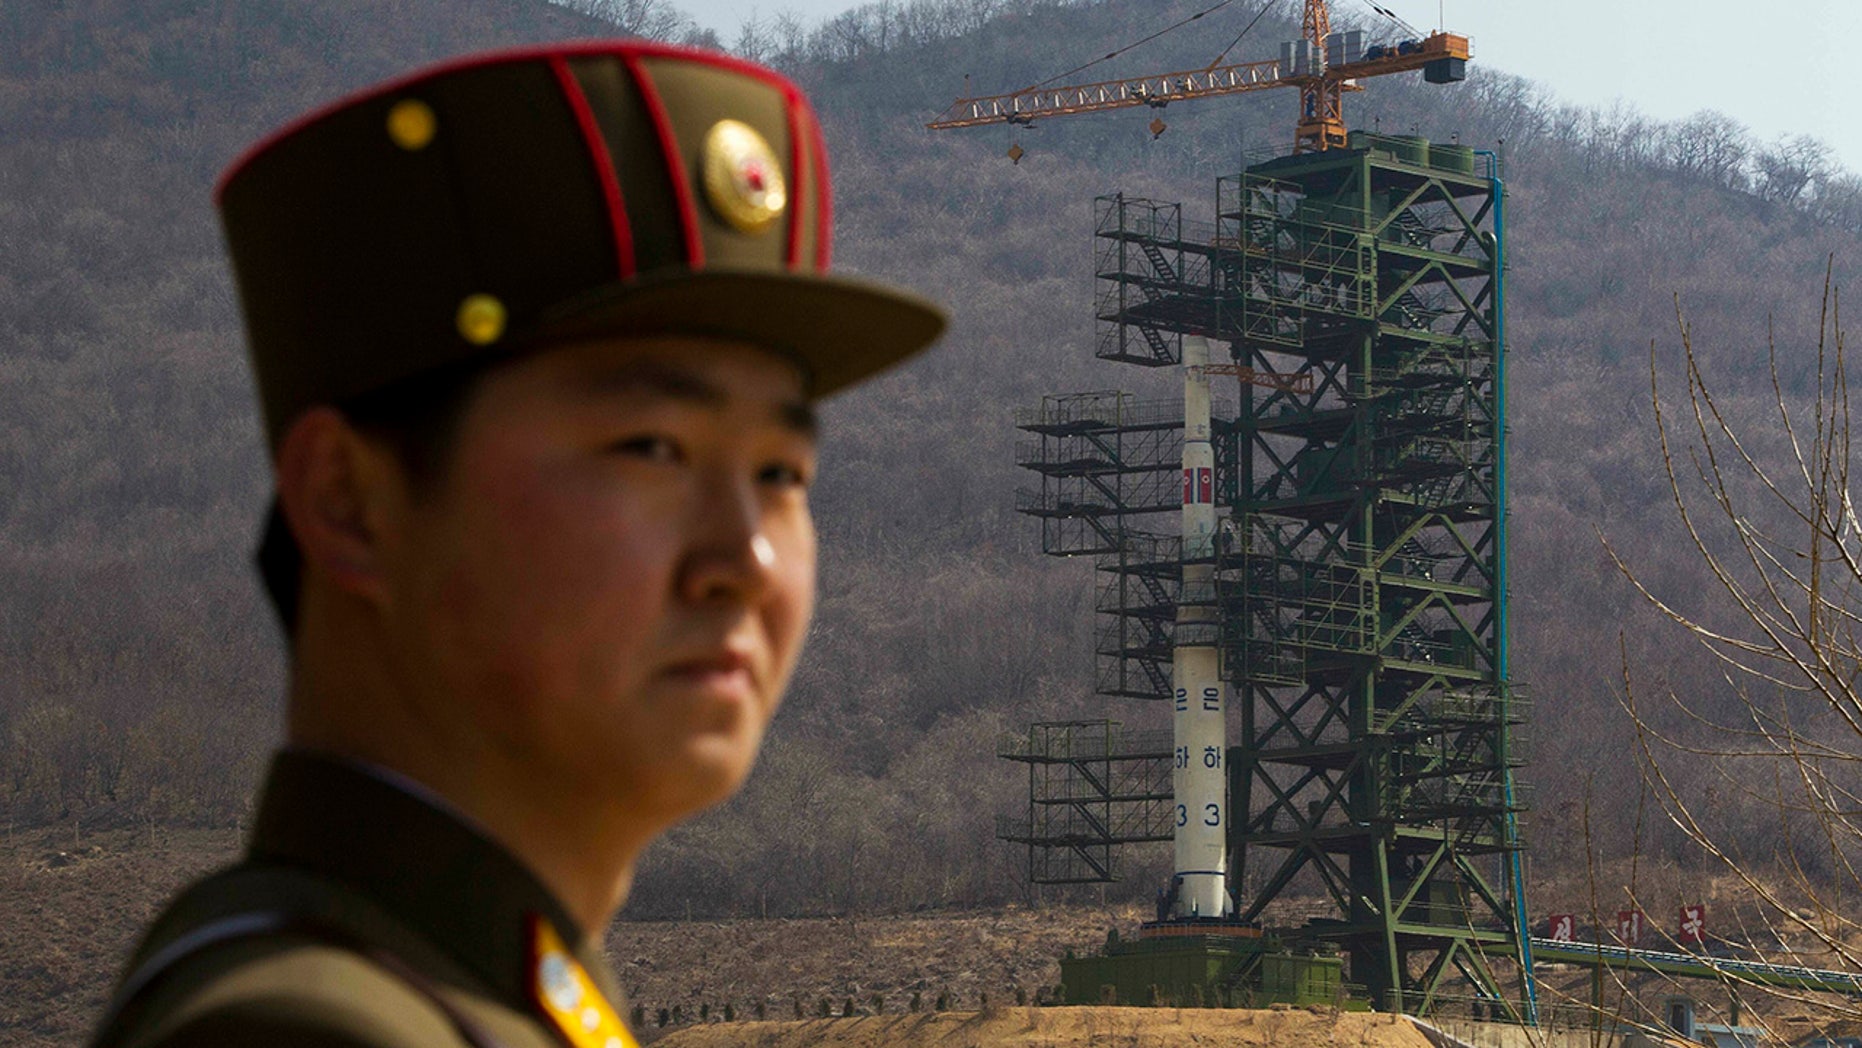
<point>783,474</point>
<point>650,446</point>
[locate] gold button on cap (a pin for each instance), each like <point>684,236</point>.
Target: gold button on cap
<point>743,180</point>
<point>481,319</point>
<point>411,124</point>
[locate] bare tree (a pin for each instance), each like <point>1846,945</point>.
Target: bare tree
<point>1790,166</point>
<point>1764,498</point>
<point>1839,201</point>
<point>1711,146</point>
<point>649,19</point>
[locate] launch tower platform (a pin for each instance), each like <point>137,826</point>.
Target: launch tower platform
<point>1360,566</point>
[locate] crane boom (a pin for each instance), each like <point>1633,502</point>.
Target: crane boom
<point>1021,107</point>
<point>1441,55</point>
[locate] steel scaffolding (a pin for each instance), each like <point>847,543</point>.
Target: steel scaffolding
<point>1092,786</point>
<point>1107,464</point>
<point>1379,733</point>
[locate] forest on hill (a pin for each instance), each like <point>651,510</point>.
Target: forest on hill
<point>140,671</point>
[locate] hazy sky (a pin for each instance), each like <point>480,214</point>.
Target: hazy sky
<point>1779,67</point>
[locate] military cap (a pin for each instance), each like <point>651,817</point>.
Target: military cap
<point>500,202</point>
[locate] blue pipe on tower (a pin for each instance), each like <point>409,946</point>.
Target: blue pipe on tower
<point>1520,915</point>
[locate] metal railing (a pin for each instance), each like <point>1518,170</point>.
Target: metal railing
<point>1108,410</point>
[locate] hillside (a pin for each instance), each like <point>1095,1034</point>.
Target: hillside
<point>139,670</point>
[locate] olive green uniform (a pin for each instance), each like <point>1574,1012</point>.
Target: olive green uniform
<point>364,913</point>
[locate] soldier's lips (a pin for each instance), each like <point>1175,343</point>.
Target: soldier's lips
<point>724,675</point>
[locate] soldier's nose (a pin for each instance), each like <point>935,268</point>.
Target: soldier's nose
<point>731,558</point>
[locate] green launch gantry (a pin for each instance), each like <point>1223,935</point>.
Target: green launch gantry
<point>1361,567</point>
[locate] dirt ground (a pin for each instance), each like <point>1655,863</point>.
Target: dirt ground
<point>1062,1027</point>
<point>791,964</point>
<point>72,902</point>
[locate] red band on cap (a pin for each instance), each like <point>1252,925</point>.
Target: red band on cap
<point>675,164</point>
<point>604,165</point>
<point>798,163</point>
<point>824,193</point>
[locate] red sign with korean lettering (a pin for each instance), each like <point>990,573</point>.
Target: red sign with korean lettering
<point>1563,927</point>
<point>1629,927</point>
<point>1693,925</point>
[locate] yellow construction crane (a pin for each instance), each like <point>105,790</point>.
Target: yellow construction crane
<point>1323,65</point>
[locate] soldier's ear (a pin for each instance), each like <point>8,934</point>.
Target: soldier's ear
<point>336,490</point>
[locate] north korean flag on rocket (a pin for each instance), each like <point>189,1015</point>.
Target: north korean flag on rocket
<point>1198,486</point>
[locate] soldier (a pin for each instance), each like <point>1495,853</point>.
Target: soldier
<point>536,336</point>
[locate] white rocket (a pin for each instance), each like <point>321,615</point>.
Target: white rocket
<point>1199,781</point>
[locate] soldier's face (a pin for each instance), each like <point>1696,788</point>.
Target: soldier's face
<point>612,580</point>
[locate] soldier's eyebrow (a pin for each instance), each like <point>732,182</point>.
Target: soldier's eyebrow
<point>679,384</point>
<point>799,417</point>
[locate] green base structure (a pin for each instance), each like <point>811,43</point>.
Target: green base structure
<point>1209,965</point>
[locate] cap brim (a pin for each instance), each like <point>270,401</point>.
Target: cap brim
<point>839,329</point>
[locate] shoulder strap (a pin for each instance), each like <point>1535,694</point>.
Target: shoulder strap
<point>260,923</point>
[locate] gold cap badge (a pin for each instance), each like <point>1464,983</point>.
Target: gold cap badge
<point>411,124</point>
<point>743,180</point>
<point>481,319</point>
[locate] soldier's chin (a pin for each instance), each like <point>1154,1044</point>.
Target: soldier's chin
<point>708,770</point>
